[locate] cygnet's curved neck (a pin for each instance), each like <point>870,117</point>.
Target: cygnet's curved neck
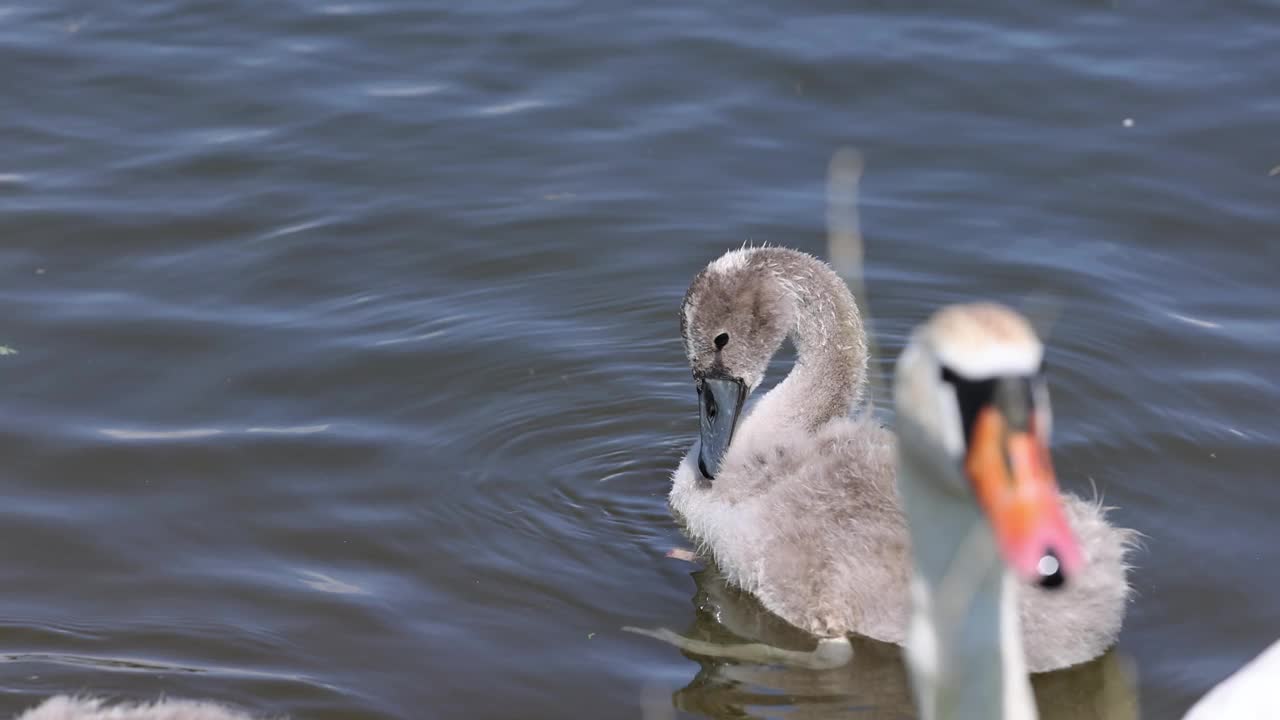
<point>964,644</point>
<point>831,346</point>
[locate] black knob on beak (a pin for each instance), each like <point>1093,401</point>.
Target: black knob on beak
<point>1050,569</point>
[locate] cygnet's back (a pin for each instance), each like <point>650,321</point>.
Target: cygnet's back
<point>810,524</point>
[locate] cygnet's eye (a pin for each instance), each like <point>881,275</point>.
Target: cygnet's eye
<point>721,340</point>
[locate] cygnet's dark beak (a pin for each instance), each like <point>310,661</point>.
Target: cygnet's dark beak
<point>720,401</point>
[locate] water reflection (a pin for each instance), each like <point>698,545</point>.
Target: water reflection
<point>873,685</point>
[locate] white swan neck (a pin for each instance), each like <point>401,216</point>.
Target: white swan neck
<point>964,642</point>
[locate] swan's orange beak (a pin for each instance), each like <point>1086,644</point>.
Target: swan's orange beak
<point>1012,476</point>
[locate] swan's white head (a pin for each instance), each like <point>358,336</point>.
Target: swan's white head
<point>973,411</point>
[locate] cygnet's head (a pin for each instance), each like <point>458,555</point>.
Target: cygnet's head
<point>734,318</point>
<point>973,407</point>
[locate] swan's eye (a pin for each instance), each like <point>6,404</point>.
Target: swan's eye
<point>971,396</point>
<point>1013,395</point>
<point>721,340</point>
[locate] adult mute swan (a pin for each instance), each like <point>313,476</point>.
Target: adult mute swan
<point>982,506</point>
<point>983,509</point>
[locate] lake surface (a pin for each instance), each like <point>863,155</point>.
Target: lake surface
<point>342,372</point>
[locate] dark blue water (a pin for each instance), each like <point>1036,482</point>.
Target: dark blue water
<point>345,377</point>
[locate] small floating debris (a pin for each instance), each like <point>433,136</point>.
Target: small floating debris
<point>1127,122</point>
<point>1274,171</point>
<point>6,350</point>
<point>682,554</point>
